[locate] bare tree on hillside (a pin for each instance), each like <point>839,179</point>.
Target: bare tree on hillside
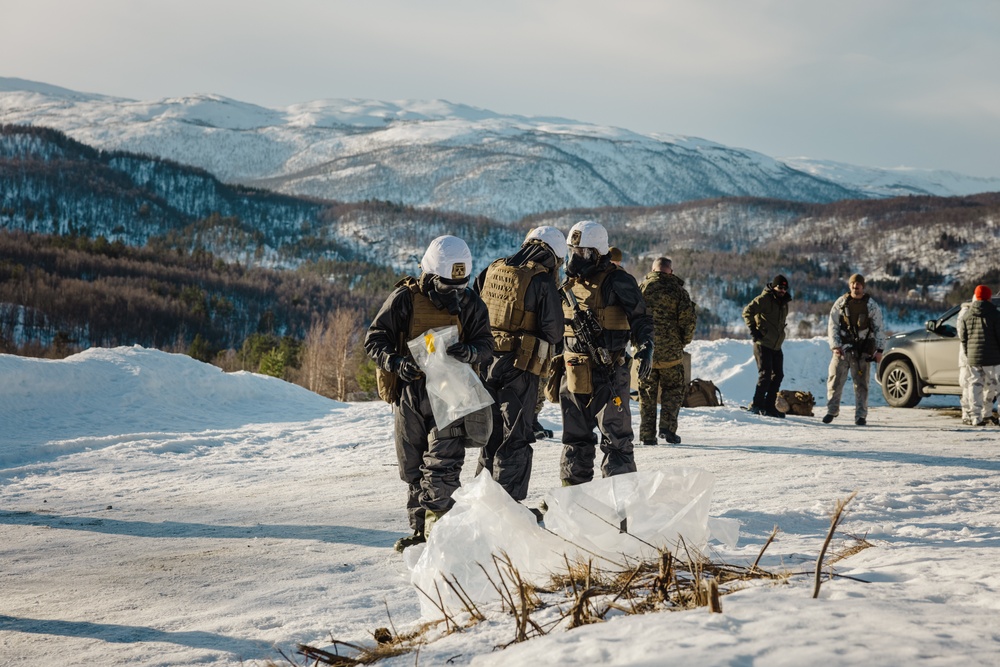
<point>328,361</point>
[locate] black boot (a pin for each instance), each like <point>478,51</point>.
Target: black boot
<point>671,437</point>
<point>540,432</point>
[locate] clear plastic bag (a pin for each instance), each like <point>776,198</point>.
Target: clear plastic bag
<point>453,387</point>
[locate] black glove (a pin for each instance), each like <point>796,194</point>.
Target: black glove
<point>644,355</point>
<point>464,352</point>
<point>406,369</point>
<point>756,336</point>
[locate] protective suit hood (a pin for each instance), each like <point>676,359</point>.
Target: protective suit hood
<point>551,237</point>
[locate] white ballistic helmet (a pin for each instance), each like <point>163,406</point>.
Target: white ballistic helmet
<point>589,234</point>
<point>551,237</point>
<point>448,257</point>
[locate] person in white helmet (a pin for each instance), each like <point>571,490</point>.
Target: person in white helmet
<point>527,321</point>
<point>429,462</point>
<point>591,394</point>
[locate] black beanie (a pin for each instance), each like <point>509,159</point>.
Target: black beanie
<point>780,281</point>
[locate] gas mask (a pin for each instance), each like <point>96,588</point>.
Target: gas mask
<point>582,261</point>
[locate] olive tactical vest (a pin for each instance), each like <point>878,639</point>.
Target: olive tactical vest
<point>591,297</point>
<point>854,317</point>
<point>503,292</point>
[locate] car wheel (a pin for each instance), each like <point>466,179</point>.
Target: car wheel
<point>899,385</point>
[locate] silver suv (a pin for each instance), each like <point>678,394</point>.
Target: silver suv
<point>921,362</point>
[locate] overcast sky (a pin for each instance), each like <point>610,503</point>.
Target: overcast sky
<point>881,83</point>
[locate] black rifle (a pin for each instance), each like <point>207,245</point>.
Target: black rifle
<point>588,331</point>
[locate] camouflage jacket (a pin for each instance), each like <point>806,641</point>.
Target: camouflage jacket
<point>673,316</point>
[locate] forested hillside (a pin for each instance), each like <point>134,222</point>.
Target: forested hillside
<point>50,183</point>
<point>60,294</point>
<point>53,184</point>
<point>920,254</point>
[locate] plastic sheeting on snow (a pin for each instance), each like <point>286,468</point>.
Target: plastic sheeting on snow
<point>585,522</point>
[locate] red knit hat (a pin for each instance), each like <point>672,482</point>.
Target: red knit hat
<point>983,293</point>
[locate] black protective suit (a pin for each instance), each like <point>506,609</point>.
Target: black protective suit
<point>508,455</point>
<point>607,406</point>
<point>431,469</point>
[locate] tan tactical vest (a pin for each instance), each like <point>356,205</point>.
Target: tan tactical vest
<point>514,328</point>
<point>503,292</point>
<point>425,314</point>
<point>591,297</point>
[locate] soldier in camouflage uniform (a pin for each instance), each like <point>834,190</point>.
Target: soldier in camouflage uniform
<point>673,328</point>
<point>857,338</point>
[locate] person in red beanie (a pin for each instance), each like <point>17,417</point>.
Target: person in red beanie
<point>979,333</point>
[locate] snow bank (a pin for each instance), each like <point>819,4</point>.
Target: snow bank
<point>100,393</point>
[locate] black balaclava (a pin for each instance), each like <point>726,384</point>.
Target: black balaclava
<point>437,290</point>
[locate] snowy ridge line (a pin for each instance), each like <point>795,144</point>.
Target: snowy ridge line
<point>439,155</point>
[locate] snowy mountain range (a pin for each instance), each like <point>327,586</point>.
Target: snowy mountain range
<point>444,156</point>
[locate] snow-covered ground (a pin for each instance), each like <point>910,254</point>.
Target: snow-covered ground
<point>156,511</point>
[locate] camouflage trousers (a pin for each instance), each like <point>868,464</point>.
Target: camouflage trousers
<point>664,386</point>
<point>860,371</point>
<point>980,391</point>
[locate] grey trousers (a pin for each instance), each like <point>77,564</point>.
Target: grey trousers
<point>860,372</point>
<point>508,455</point>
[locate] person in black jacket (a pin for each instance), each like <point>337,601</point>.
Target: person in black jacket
<point>527,321</point>
<point>593,394</point>
<point>430,465</point>
<point>765,317</point>
<point>979,332</point>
